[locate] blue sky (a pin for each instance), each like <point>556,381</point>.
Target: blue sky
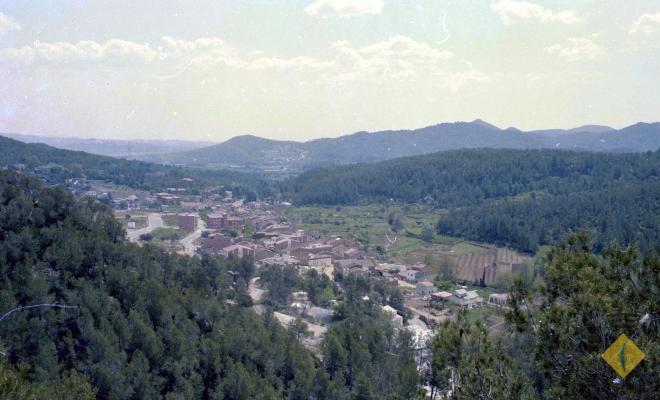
<point>304,69</point>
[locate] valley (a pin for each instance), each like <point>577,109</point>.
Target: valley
<point>330,200</point>
<point>404,249</point>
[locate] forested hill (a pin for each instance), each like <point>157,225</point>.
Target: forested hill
<point>111,147</point>
<point>467,177</point>
<point>59,165</point>
<point>145,325</point>
<point>250,152</point>
<point>134,322</point>
<point>522,199</point>
<point>621,215</point>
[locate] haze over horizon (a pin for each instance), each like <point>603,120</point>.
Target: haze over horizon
<point>36,135</point>
<point>300,70</point>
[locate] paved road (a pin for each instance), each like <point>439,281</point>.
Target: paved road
<point>154,221</point>
<point>187,242</point>
<point>254,291</point>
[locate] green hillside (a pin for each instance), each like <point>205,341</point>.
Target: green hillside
<point>254,153</point>
<point>517,198</point>
<point>126,322</point>
<point>466,177</point>
<point>57,165</point>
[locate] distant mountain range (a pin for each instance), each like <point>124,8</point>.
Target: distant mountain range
<point>111,147</point>
<point>254,153</point>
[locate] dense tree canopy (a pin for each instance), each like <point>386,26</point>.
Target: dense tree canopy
<point>467,177</point>
<point>280,282</point>
<point>147,324</point>
<point>517,198</point>
<point>363,356</point>
<point>144,324</point>
<point>555,337</point>
<point>626,214</point>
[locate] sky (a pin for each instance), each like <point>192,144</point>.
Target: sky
<point>298,70</point>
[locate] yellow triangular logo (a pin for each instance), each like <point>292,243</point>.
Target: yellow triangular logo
<point>623,355</point>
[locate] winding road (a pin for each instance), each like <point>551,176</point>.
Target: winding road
<point>188,242</point>
<point>154,221</point>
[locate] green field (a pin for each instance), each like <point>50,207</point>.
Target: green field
<point>119,191</point>
<point>369,225</point>
<point>167,234</point>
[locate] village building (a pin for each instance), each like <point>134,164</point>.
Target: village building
<point>411,275</point>
<point>279,260</point>
<point>262,253</point>
<point>233,222</point>
<point>282,229</point>
<point>262,222</point>
<point>464,298</point>
<point>315,248</point>
<point>282,244</point>
<point>167,198</point>
<point>353,266</point>
<point>215,244</point>
<point>320,260</point>
<point>498,299</point>
<point>132,201</point>
<point>192,205</point>
<point>216,220</point>
<point>440,297</point>
<point>187,221</point>
<point>390,268</point>
<point>424,288</point>
<point>238,250</point>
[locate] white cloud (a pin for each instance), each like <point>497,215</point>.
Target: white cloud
<point>178,47</point>
<point>399,58</point>
<point>404,48</point>
<point>645,25</point>
<point>577,49</point>
<point>269,62</point>
<point>344,8</point>
<point>113,50</point>
<point>17,55</point>
<point>396,58</point>
<point>8,24</point>
<point>511,12</point>
<point>213,51</point>
<point>204,51</point>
